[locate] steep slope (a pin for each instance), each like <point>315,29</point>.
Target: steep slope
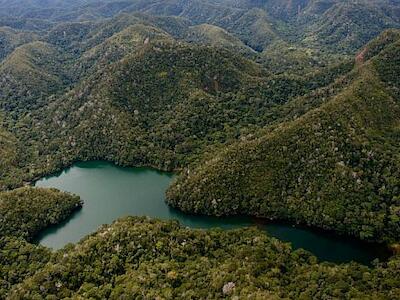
<point>217,37</point>
<point>30,74</point>
<point>330,24</point>
<point>31,25</point>
<point>337,167</point>
<point>286,9</point>
<point>136,110</point>
<point>253,27</point>
<point>292,58</point>
<point>11,39</point>
<point>347,25</point>
<point>10,157</point>
<point>161,105</point>
<point>129,88</point>
<point>241,21</point>
<point>26,211</point>
<point>250,24</point>
<point>23,213</point>
<point>119,45</point>
<point>282,10</point>
<point>70,35</point>
<point>19,260</point>
<point>79,37</point>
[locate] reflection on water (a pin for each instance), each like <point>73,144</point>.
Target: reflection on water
<point>110,192</point>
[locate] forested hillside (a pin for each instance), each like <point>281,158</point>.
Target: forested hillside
<point>117,98</point>
<point>285,110</point>
<point>335,167</point>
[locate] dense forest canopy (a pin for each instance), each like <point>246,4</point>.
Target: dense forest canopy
<point>280,109</point>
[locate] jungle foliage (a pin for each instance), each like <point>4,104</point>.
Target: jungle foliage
<point>24,212</point>
<point>143,258</point>
<point>268,108</point>
<point>335,167</point>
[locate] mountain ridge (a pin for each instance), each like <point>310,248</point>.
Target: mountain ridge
<point>199,191</point>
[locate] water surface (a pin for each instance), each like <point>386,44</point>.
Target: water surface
<point>110,192</point>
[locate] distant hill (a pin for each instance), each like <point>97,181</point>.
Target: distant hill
<point>347,26</point>
<point>29,74</point>
<point>331,24</point>
<point>281,109</point>
<point>11,39</point>
<point>153,100</point>
<point>218,37</point>
<point>86,79</point>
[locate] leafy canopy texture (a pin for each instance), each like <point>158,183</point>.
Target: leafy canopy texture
<point>267,108</point>
<point>335,167</point>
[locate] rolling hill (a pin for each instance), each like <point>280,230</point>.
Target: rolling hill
<point>29,75</point>
<point>275,109</point>
<point>11,39</point>
<point>161,103</point>
<point>336,167</point>
<point>329,24</point>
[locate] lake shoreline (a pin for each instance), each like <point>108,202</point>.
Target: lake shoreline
<point>248,221</point>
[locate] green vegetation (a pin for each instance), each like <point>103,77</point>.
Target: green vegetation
<point>348,25</point>
<point>128,108</point>
<point>11,39</point>
<point>30,74</point>
<point>336,167</point>
<point>218,37</point>
<point>19,260</point>
<point>23,213</point>
<point>10,173</point>
<point>26,211</point>
<point>138,257</point>
<point>268,108</point>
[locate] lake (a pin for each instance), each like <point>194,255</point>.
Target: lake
<point>110,192</point>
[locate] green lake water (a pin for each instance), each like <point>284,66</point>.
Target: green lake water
<point>110,192</point>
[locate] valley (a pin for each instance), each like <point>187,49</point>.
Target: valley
<point>286,111</point>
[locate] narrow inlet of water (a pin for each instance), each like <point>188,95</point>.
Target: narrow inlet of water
<point>110,192</point>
